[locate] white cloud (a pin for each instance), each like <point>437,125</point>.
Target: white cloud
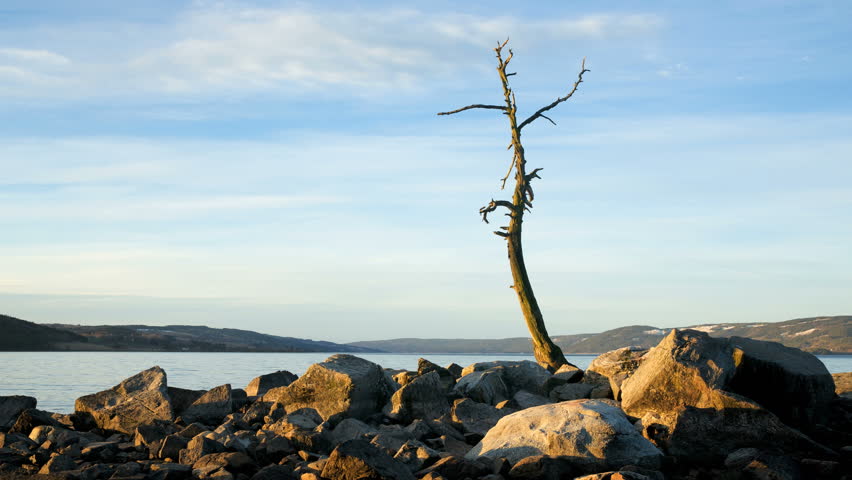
<point>43,57</point>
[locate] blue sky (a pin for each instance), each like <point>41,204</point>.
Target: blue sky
<point>279,166</point>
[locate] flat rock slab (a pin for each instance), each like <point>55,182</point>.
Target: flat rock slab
<point>139,400</point>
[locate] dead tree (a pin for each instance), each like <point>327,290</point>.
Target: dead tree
<point>546,352</point>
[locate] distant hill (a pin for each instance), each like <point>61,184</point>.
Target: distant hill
<point>21,335</point>
<point>823,335</point>
<point>17,334</point>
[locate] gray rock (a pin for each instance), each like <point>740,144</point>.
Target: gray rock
<point>423,398</point>
<point>524,399</point>
<point>170,471</point>
<point>517,375</point>
<point>484,386</point>
<point>358,459</point>
<point>455,369</point>
<point>351,429</point>
<point>342,385</point>
<point>11,407</point>
<point>595,432</point>
<point>275,472</point>
<point>416,455</point>
<point>59,463</point>
<point>448,380</point>
<point>455,467</point>
<point>138,400</point>
<point>262,384</point>
<point>617,365</point>
<point>171,446</point>
<point>231,462</point>
<point>475,417</point>
<point>59,437</point>
<point>211,407</point>
<point>571,391</point>
<point>198,447</point>
<point>31,418</point>
<point>542,467</point>
<point>182,398</point>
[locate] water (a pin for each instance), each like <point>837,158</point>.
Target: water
<point>56,379</point>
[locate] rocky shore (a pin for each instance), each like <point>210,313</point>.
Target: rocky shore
<point>693,407</point>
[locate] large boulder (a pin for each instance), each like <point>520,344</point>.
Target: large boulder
<point>342,385</point>
<point>594,433</point>
<point>475,417</point>
<point>211,407</point>
<point>617,365</point>
<point>422,398</point>
<point>448,380</point>
<point>11,407</point>
<point>138,400</point>
<point>359,459</point>
<point>517,375</point>
<point>843,384</point>
<point>262,384</point>
<point>485,386</point>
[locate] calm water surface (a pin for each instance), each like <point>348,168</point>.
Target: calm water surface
<point>56,379</point>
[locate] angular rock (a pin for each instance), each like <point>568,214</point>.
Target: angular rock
<point>843,384</point>
<point>100,451</point>
<point>517,375</point>
<point>58,437</point>
<point>595,432</point>
<point>275,472</point>
<point>542,467</point>
<point>484,386</point>
<point>422,398</point>
<point>617,365</point>
<point>455,369</point>
<point>351,429</point>
<point>170,471</point>
<point>182,398</point>
<point>342,385</point>
<point>11,407</point>
<point>404,377</point>
<point>262,384</point>
<point>211,407</point>
<point>232,462</point>
<point>198,447</point>
<point>448,380</point>
<point>571,391</point>
<point>59,463</point>
<point>138,400</point>
<point>456,467</point>
<point>171,446</point>
<point>358,459</point>
<point>475,417</point>
<point>31,418</point>
<point>524,399</point>
<point>620,475</point>
<point>415,455</point>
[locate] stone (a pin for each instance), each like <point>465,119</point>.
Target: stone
<point>475,417</point>
<point>843,384</point>
<point>456,467</point>
<point>542,467</point>
<point>484,386</point>
<point>192,430</point>
<point>423,398</point>
<point>171,446</point>
<point>342,385</point>
<point>182,398</point>
<point>11,407</point>
<point>100,451</point>
<point>59,463</point>
<point>596,433</point>
<point>138,400</point>
<point>448,380</point>
<point>620,475</point>
<point>416,455</point>
<point>275,472</point>
<point>198,447</point>
<point>170,471</point>
<point>517,375</point>
<point>571,391</point>
<point>359,459</point>
<point>762,464</point>
<point>31,418</point>
<point>262,384</point>
<point>391,438</point>
<point>524,399</point>
<point>404,377</point>
<point>211,407</point>
<point>58,436</point>
<point>351,429</point>
<point>617,365</point>
<point>233,462</point>
<point>455,369</point>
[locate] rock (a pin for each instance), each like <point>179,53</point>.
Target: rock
<point>524,399</point>
<point>517,375</point>
<point>485,386</point>
<point>456,467</point>
<point>272,448</point>
<point>170,471</point>
<point>448,380</point>
<point>843,384</point>
<point>100,451</point>
<point>565,374</point>
<point>275,472</point>
<point>617,365</point>
<point>621,475</point>
<point>542,467</point>
<point>198,447</point>
<point>404,377</point>
<point>343,384</point>
<point>138,400</point>
<point>455,369</point>
<point>192,430</point>
<point>233,462</point>
<point>182,398</point>
<point>760,464</point>
<point>792,384</point>
<point>475,417</point>
<point>571,391</point>
<point>415,455</point>
<point>171,446</point>
<point>31,418</point>
<point>391,438</point>
<point>11,407</point>
<point>351,429</point>
<point>595,432</point>
<point>262,384</point>
<point>58,437</point>
<point>358,459</point>
<point>59,463</point>
<point>423,398</point>
<point>211,407</point>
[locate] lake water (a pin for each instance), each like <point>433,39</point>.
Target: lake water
<point>56,379</point>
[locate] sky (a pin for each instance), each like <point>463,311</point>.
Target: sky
<point>279,167</point>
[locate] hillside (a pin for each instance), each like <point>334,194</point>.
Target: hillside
<point>821,335</point>
<point>19,334</point>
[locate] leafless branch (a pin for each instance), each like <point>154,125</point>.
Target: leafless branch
<point>492,205</point>
<point>511,167</point>
<point>533,174</point>
<point>559,100</point>
<point>477,105</point>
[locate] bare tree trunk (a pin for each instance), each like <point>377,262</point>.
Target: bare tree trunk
<point>546,352</point>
